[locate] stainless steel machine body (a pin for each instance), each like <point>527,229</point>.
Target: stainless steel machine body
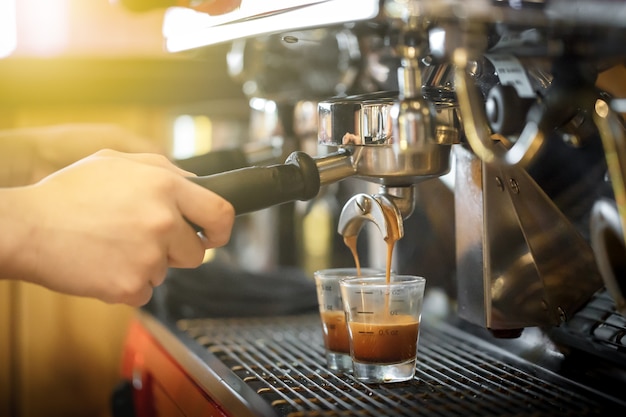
<point>475,129</point>
<point>404,84</point>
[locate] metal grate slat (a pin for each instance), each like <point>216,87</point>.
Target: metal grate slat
<point>282,359</point>
<point>503,381</point>
<point>370,401</point>
<point>493,392</point>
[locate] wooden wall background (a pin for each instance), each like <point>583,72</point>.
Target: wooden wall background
<point>60,355</point>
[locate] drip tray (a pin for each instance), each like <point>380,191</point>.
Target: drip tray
<point>281,361</point>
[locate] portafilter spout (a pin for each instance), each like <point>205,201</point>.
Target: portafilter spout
<point>379,209</point>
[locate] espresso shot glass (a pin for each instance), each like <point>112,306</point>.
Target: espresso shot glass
<point>383,325</point>
<point>334,328</point>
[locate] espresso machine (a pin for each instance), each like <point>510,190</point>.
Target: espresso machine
<point>483,117</point>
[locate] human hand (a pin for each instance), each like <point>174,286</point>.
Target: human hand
<point>110,225</point>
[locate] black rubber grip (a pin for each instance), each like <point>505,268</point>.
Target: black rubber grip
<point>255,188</point>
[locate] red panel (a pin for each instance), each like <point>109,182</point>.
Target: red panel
<point>160,384</point>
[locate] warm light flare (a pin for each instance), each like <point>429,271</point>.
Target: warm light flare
<point>192,136</point>
<point>8,28</point>
<point>42,26</point>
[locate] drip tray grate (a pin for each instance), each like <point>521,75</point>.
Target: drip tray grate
<point>282,359</point>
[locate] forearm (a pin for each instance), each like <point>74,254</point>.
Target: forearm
<point>17,232</point>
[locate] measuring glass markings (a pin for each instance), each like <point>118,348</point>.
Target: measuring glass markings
<point>395,292</point>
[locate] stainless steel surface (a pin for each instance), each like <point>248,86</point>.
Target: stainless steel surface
<point>276,367</point>
<point>607,241</point>
<point>504,93</point>
<point>511,85</point>
<point>278,67</point>
<point>207,370</point>
<point>518,256</point>
<point>377,209</point>
<point>476,127</point>
<point>381,164</point>
<point>334,167</point>
<point>184,29</point>
<point>357,120</point>
<point>611,128</point>
<point>261,18</point>
<point>392,144</point>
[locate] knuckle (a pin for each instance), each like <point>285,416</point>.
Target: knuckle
<point>223,219</point>
<point>106,153</point>
<point>160,222</point>
<point>196,255</point>
<point>135,288</point>
<point>227,213</point>
<point>192,257</point>
<point>129,290</point>
<point>229,210</point>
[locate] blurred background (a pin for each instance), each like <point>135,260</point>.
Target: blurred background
<point>75,61</point>
<point>89,61</point>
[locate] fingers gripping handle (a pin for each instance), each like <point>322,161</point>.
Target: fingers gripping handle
<point>255,188</point>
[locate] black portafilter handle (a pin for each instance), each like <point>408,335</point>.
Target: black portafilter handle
<point>254,188</point>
